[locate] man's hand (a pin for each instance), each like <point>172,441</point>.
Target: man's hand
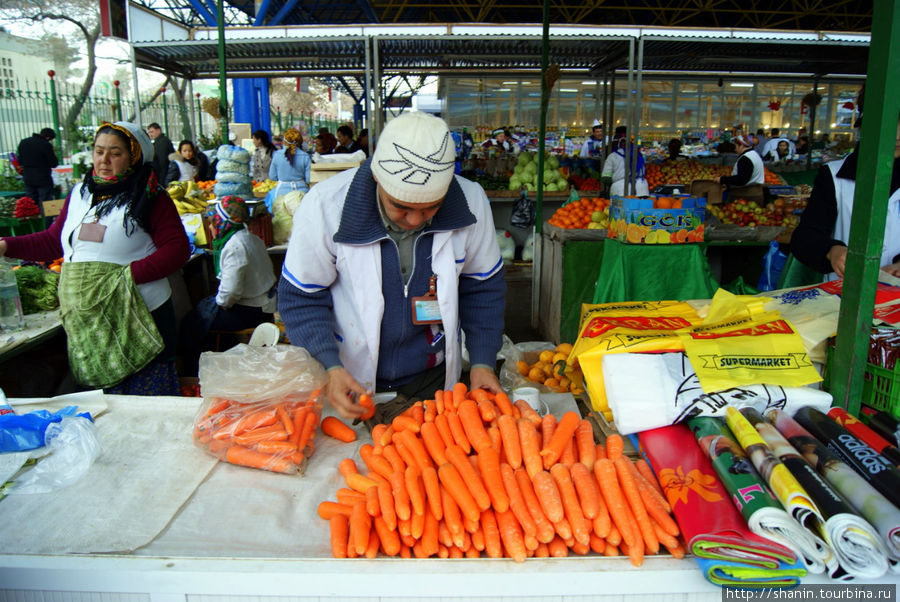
<point>837,255</point>
<point>484,378</point>
<point>341,385</point>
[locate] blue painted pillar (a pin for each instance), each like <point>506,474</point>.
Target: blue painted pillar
<point>251,103</point>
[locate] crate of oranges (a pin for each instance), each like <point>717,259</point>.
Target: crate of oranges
<point>548,368</point>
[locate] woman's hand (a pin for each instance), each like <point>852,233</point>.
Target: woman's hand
<point>481,377</point>
<point>341,385</point>
<point>837,255</point>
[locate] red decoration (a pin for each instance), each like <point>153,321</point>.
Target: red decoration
<point>804,109</point>
<point>848,105</point>
<point>116,83</point>
<point>51,73</point>
<point>775,105</point>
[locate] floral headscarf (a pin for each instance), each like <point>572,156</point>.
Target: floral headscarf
<point>293,139</point>
<point>228,216</point>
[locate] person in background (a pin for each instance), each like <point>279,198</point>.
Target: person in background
<point>675,150</point>
<point>117,215</point>
<point>162,149</point>
<point>613,174</point>
<point>363,140</point>
<point>37,158</point>
<point>761,140</point>
<point>822,142</point>
<point>325,143</point>
<point>346,143</point>
<point>262,155</point>
<point>820,240</point>
<point>184,166</point>
<point>500,141</point>
<point>802,147</point>
<point>770,150</point>
<point>388,263</point>
<point>290,165</point>
<point>593,146</point>
<point>246,294</point>
<point>781,152</point>
<point>748,169</point>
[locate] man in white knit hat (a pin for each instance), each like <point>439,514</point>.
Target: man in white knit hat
<point>388,263</point>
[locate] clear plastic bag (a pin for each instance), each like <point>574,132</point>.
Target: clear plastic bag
<point>512,353</point>
<point>262,406</point>
<point>73,448</point>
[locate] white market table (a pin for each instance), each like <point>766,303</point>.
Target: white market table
<point>239,533</point>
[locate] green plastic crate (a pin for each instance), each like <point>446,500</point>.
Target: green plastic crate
<point>13,226</point>
<point>881,386</point>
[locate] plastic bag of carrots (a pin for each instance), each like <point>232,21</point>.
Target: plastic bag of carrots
<point>471,474</point>
<point>262,406</point>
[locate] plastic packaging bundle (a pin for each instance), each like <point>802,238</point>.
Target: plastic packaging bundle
<point>233,172</point>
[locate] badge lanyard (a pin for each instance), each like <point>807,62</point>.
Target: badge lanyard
<point>425,309</point>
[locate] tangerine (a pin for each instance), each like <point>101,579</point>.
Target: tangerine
<point>634,233</point>
<point>564,348</point>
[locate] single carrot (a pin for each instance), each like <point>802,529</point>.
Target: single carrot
<point>600,452</point>
<point>548,495</point>
<point>360,524</point>
<point>547,426</point>
<point>542,551</point>
<point>569,453</point>
<point>402,423</point>
<point>430,410</point>
<point>285,419</point>
<point>474,484</point>
<point>453,481</point>
<point>444,537</point>
<point>472,425</point>
<point>276,447</point>
<point>531,447</point>
<point>531,542</point>
<point>333,427</point>
<point>433,491</point>
<point>511,536</point>
<point>358,482</point>
<point>244,456</point>
<point>677,551</point>
<point>517,501</point>
<point>458,432</point>
<point>417,412</point>
<point>405,551</point>
<point>509,433</point>
<point>611,550</point>
<point>545,531</point>
<point>665,539</point>
<point>416,525</point>
<point>377,432</point>
<point>433,442</point>
<point>563,432</point>
<point>393,457</point>
<point>580,549</point>
<point>386,503</point>
<point>613,538</point>
<point>493,432</point>
<point>488,410</point>
<point>430,534</point>
<point>493,545</point>
<point>588,491</point>
<point>489,466</point>
<point>439,403</point>
<point>339,527</point>
<point>403,451</point>
<point>648,474</point>
<point>386,437</point>
<point>401,496</point>
<point>390,540</point>
<point>598,546</point>
<point>638,510</point>
<point>504,405</point>
<point>459,394</point>
<point>366,401</point>
<point>349,496</point>
<point>469,525</point>
<point>452,514</point>
<point>416,447</point>
<point>298,419</point>
<point>571,506</point>
<point>443,426</point>
<point>377,464</point>
<point>415,489</point>
<point>558,548</point>
<point>584,440</point>
<point>635,552</point>
<point>478,539</point>
<point>564,530</point>
<point>255,420</point>
<point>309,427</point>
<point>614,446</point>
<point>266,433</point>
<point>605,471</point>
<point>347,466</point>
<point>527,412</point>
<point>657,506</point>
<point>328,509</point>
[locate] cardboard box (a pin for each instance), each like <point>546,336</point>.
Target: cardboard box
<point>636,221</point>
<point>322,171</point>
<point>708,189</point>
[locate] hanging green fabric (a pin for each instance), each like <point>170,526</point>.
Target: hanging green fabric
<point>111,334</point>
<point>796,274</point>
<point>217,245</point>
<point>631,272</point>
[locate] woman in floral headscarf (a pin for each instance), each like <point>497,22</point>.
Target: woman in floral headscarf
<point>246,295</point>
<point>290,165</point>
<point>121,238</point>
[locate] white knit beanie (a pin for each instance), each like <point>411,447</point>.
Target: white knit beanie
<point>414,158</point>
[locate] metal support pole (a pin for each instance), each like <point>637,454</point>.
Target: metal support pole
<point>873,177</point>
<point>542,143</point>
<point>378,114</point>
<point>629,122</point>
<point>199,116</point>
<point>367,91</point>
<point>54,107</point>
<point>223,91</point>
<point>812,125</point>
<point>194,116</point>
<point>118,100</point>
<point>639,109</point>
<point>162,96</point>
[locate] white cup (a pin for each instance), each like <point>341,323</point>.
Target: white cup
<point>529,395</point>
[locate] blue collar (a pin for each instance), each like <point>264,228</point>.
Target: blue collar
<point>361,223</point>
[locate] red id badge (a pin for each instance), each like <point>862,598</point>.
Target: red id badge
<point>425,309</point>
<point>91,232</point>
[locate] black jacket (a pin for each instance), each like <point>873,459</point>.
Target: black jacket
<point>37,158</point>
<point>162,148</point>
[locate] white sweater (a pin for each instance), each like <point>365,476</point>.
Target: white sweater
<point>246,273</point>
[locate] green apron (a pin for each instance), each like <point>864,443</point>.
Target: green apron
<point>111,334</point>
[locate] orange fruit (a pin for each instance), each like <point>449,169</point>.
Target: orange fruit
<point>634,233</point>
<point>523,367</point>
<point>663,202</point>
<point>546,356</point>
<point>536,374</point>
<point>551,382</point>
<point>565,348</point>
<point>680,236</point>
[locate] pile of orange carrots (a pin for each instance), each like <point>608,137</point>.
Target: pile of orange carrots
<point>270,436</point>
<point>471,473</point>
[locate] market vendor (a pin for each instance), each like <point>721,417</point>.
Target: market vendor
<point>500,141</point>
<point>613,174</point>
<point>388,264</point>
<point>748,169</point>
<point>820,240</point>
<point>593,146</point>
<point>121,239</point>
<point>290,165</point>
<point>246,294</point>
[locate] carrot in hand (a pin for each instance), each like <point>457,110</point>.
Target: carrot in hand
<point>333,427</point>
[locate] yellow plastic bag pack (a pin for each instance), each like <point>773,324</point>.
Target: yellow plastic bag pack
<point>639,326</point>
<point>739,343</point>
